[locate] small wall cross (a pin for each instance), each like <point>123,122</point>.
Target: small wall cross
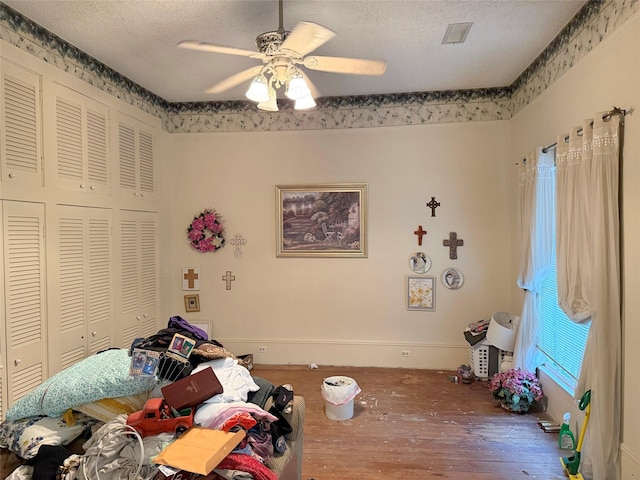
<point>420,232</point>
<point>238,241</point>
<point>433,205</point>
<point>229,278</point>
<point>453,243</point>
<point>191,276</point>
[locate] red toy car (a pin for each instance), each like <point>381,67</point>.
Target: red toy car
<point>156,417</point>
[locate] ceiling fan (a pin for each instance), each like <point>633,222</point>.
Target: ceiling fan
<point>282,53</point>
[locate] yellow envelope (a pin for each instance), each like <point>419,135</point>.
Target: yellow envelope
<point>199,450</point>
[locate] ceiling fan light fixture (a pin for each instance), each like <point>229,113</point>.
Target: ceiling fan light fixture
<point>258,90</point>
<point>304,103</point>
<point>270,105</point>
<point>297,87</point>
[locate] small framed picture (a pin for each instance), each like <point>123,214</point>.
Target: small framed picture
<point>181,345</point>
<point>138,359</point>
<point>421,293</point>
<point>151,364</point>
<point>192,303</point>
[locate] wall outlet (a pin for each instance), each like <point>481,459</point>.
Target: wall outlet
<point>262,349</point>
<point>405,353</point>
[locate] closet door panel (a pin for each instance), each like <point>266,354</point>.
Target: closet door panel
<point>20,125</point>
<point>71,287</point>
<point>148,274</point>
<point>84,283</point>
<point>78,140</point>
<point>100,297</point>
<point>25,307</point>
<point>136,162</point>
<point>139,275</point>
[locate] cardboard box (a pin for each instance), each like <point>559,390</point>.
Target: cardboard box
<point>193,390</point>
<point>199,450</point>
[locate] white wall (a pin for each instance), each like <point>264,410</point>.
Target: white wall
<point>344,311</point>
<point>609,75</point>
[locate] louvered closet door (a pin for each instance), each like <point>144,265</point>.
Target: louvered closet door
<point>136,158</point>
<point>148,273</point>
<point>78,140</point>
<point>139,274</point>
<point>20,125</point>
<point>84,283</point>
<point>24,292</point>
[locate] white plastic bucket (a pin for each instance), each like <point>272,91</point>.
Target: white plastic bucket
<point>338,393</point>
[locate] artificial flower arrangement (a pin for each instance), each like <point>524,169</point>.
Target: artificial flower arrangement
<point>206,233</point>
<point>516,390</point>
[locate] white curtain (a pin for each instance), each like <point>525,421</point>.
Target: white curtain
<point>588,258</point>
<point>536,233</point>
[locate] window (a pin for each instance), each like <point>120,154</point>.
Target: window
<point>560,340</point>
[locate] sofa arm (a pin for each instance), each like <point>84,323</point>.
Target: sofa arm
<point>289,465</point>
<point>295,417</point>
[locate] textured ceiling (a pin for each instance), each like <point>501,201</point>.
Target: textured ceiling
<point>138,39</point>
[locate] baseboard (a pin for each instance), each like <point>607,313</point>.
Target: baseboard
<point>357,354</point>
<point>629,464</point>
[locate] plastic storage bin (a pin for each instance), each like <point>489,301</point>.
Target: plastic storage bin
<point>485,359</point>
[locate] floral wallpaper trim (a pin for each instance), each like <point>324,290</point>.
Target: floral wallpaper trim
<point>587,29</point>
<point>250,120</point>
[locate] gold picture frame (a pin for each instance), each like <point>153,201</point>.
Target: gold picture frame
<point>324,220</point>
<point>192,303</point>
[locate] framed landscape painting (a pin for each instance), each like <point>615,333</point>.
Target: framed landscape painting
<point>326,220</point>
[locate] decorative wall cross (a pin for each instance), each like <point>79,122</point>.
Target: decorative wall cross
<point>238,241</point>
<point>190,278</point>
<point>420,232</point>
<point>453,243</point>
<point>229,278</point>
<point>433,205</point>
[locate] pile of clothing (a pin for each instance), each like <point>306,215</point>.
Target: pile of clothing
<point>113,452</point>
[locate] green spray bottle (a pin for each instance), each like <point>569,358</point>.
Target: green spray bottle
<point>566,440</point>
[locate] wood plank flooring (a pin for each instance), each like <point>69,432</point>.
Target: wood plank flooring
<point>412,424</point>
<point>416,424</point>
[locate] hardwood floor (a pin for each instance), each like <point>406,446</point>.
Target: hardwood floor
<point>412,424</point>
<point>416,424</point>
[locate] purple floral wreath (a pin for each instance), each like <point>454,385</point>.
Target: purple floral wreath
<point>205,232</point>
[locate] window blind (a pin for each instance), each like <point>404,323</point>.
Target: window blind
<point>560,340</point>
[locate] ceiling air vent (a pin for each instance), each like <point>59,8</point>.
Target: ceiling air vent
<point>457,33</point>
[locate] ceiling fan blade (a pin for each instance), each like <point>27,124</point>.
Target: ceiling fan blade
<point>234,80</point>
<point>351,66</point>
<point>306,37</point>
<point>209,47</point>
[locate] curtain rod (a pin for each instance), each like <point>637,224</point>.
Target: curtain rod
<point>606,117</point>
